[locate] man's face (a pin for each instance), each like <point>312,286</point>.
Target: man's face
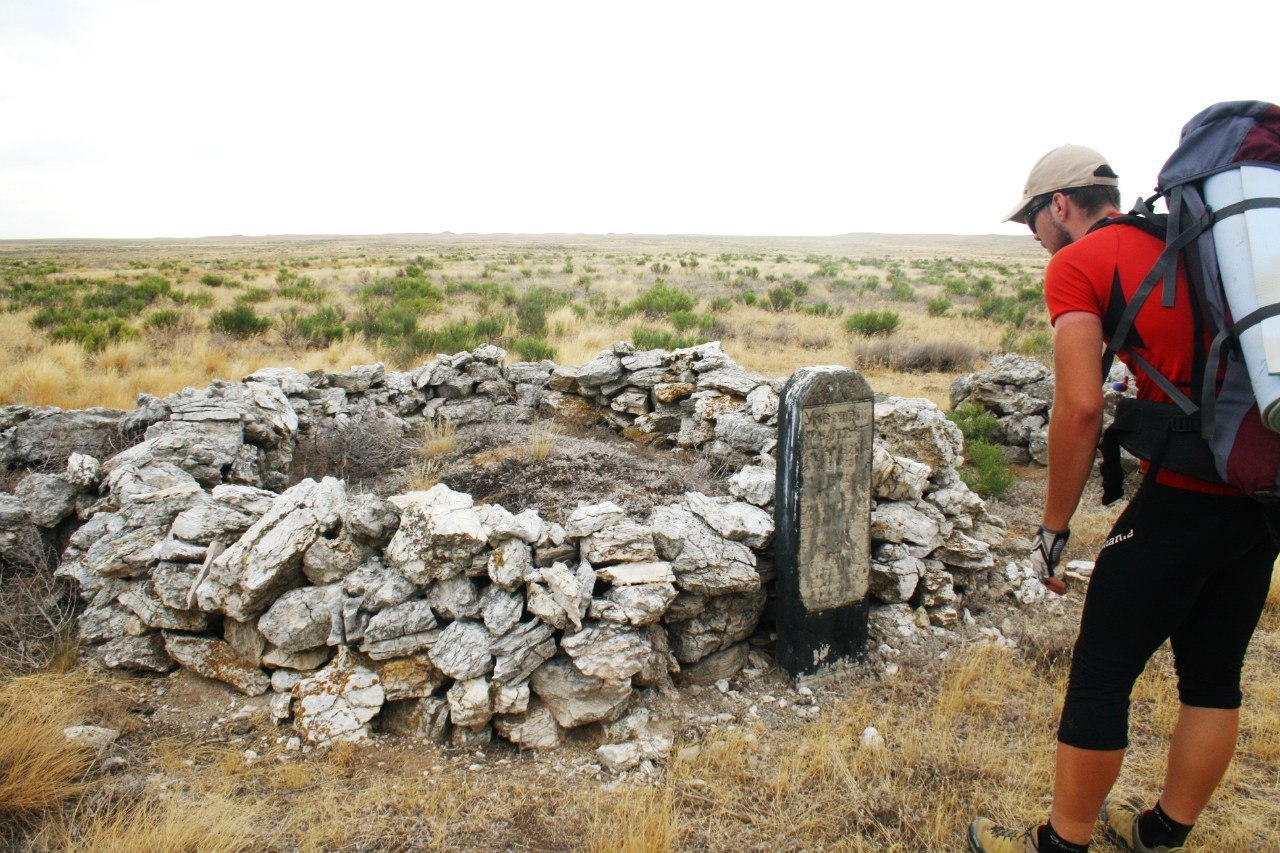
<point>1048,231</point>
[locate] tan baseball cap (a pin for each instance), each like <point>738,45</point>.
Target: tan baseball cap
<point>1061,169</point>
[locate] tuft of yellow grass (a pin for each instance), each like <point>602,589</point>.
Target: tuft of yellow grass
<point>437,437</point>
<point>172,825</point>
<point>635,819</point>
<point>542,439</point>
<point>38,767</point>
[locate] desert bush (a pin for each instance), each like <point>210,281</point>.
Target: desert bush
<point>253,295</point>
<point>195,299</point>
<point>661,300</point>
<point>1039,342</point>
<point>212,279</point>
<point>533,349</point>
<point>748,297</point>
<point>95,335</point>
<point>645,337</point>
<point>918,357</point>
<point>822,308</point>
<point>974,421</point>
<point>986,471</point>
<point>902,291</point>
<point>320,328</point>
<point>873,322</point>
<point>684,321</point>
<point>1002,309</point>
<point>532,308</point>
<point>871,283</point>
<point>827,269</point>
<point>438,437</point>
<point>781,298</point>
<point>239,322</point>
<point>956,286</point>
<point>164,319</point>
<point>720,305</point>
<point>303,289</point>
<point>364,447</point>
<point>938,306</point>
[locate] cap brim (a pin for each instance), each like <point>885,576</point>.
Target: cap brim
<point>1019,213</point>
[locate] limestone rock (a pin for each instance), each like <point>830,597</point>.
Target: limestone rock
<point>304,661</point>
<point>501,609</point>
<point>329,560</point>
<point>964,552</point>
<point>554,595</point>
<point>154,613</point>
<point>621,542</point>
<point>703,561</point>
<point>411,617</point>
<point>896,478</point>
<point>454,598</point>
<point>608,652</point>
<point>575,699</point>
<point>510,698</point>
<point>915,429</point>
<point>727,619</point>
<point>734,520</point>
<point>412,677</point>
<point>535,729</point>
<point>586,520</point>
<point>47,498</point>
<point>337,703</point>
<point>716,666</point>
<point>902,522</point>
<point>301,618</point>
<point>625,574</point>
<point>267,560</point>
<point>522,650</point>
<point>895,579</point>
<point>509,562</point>
<point>462,652</point>
<point>136,653</point>
<point>213,658</point>
<point>439,533</point>
<point>426,719</point>
<point>642,604</point>
<point>469,703</point>
<point>370,520</point>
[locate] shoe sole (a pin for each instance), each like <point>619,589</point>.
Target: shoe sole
<point>975,846</point>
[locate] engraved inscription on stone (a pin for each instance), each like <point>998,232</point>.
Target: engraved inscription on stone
<point>834,501</point>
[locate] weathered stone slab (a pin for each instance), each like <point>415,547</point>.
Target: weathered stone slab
<point>215,659</point>
<point>823,544</point>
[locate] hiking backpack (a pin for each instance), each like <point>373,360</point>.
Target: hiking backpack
<point>1222,189</point>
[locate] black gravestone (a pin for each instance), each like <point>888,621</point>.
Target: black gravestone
<point>822,545</point>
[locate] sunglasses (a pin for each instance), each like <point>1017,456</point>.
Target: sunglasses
<point>1034,210</point>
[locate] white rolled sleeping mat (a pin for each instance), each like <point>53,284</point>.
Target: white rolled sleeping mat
<point>1248,248</point>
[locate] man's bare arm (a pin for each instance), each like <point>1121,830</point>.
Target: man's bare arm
<point>1076,420</point>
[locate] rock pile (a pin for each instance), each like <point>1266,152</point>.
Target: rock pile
<point>428,614</point>
<point>1018,390</point>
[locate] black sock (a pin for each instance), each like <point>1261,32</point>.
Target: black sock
<point>1050,842</point>
<point>1156,828</point>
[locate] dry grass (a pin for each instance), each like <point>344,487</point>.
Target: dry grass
<point>437,437</point>
<point>542,439</point>
<point>171,825</point>
<point>38,767</point>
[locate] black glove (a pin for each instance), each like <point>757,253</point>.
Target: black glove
<point>1046,550</point>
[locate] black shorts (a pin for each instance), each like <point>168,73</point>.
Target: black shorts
<point>1185,566</point>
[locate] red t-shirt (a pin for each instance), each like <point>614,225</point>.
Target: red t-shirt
<point>1099,274</point>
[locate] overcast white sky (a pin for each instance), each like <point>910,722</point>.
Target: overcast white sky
<point>134,118</point>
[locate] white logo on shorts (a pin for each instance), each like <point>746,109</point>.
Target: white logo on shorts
<point>1119,537</point>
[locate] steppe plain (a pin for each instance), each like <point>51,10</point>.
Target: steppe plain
<point>967,725</point>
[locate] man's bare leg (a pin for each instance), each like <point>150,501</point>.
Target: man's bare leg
<point>1082,780</point>
<point>1203,742</point>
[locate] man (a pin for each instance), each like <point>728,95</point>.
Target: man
<point>1160,574</point>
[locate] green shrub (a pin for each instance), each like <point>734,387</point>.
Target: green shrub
<point>196,299</point>
<point>1002,309</point>
<point>94,335</point>
<point>974,421</point>
<point>661,300</point>
<point>253,295</point>
<point>317,329</point>
<point>748,297</point>
<point>902,291</point>
<point>781,298</point>
<point>684,321</point>
<point>531,309</point>
<point>167,318</point>
<point>938,306</point>
<point>304,289</point>
<point>987,471</point>
<point>646,338</point>
<point>873,323</point>
<point>210,279</point>
<point>822,308</point>
<point>239,322</point>
<point>870,283</point>
<point>720,304</point>
<point>533,349</point>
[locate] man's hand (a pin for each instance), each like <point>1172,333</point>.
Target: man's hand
<point>1046,550</point>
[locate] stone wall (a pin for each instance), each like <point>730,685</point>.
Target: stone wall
<point>1018,390</point>
<point>426,613</point>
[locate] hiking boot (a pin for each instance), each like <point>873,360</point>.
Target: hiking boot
<point>987,836</point>
<point>1120,821</point>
